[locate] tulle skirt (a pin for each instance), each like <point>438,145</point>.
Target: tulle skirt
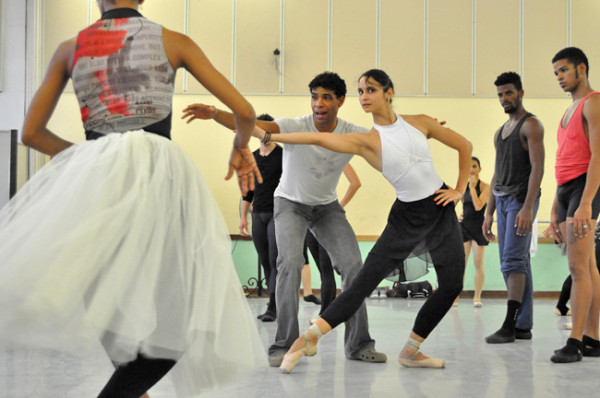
<point>119,240</point>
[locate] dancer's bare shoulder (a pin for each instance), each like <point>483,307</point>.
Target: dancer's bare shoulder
<point>424,123</point>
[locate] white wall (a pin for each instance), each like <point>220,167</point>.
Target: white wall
<point>12,57</point>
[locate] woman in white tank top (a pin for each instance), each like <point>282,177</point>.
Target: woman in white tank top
<point>422,221</point>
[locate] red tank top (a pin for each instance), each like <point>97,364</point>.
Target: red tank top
<point>573,154</point>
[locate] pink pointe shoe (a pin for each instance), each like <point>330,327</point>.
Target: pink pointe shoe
<point>290,359</point>
<point>411,362</point>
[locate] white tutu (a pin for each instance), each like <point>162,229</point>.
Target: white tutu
<point>119,240</point>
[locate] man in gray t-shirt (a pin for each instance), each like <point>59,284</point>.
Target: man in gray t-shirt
<point>306,198</point>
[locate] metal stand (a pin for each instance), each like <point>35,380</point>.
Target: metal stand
<point>255,285</point>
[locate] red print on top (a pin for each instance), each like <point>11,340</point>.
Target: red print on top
<point>115,103</point>
<point>96,42</point>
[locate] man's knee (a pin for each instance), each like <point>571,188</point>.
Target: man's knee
<point>519,266</point>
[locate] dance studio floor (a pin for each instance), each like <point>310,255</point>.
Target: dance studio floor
<point>473,368</point>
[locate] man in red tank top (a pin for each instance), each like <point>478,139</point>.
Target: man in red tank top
<point>577,202</point>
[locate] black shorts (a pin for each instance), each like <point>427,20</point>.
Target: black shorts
<point>473,231</point>
<point>568,197</point>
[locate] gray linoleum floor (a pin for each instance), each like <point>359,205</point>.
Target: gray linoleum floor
<point>473,368</point>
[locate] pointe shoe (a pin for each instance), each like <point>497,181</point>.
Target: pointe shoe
<point>477,304</point>
<point>411,362</point>
<point>290,359</point>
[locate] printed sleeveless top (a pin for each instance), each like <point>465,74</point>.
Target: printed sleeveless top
<point>121,75</point>
<point>406,161</point>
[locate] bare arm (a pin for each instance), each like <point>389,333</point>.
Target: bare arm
<point>534,132</point>
<point>433,129</point>
<point>353,187</point>
<point>366,145</point>
<point>183,52</point>
<point>479,200</point>
<point>554,228</point>
<point>491,208</point>
<point>489,214</point>
<point>35,133</point>
<point>583,214</point>
<point>226,119</point>
<point>244,218</point>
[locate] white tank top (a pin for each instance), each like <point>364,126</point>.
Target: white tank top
<point>406,161</point>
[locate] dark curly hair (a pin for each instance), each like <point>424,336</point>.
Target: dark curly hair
<point>509,78</point>
<point>329,81</point>
<point>574,56</point>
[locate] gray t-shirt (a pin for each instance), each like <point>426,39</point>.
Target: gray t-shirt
<point>311,173</point>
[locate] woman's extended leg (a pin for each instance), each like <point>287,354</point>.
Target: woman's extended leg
<point>342,308</point>
<point>467,245</point>
<point>449,263</point>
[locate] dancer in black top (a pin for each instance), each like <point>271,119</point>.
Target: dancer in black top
<point>474,204</point>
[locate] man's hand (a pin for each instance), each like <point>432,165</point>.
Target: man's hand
<point>199,111</point>
<point>242,161</point>
<point>486,228</point>
<point>524,221</point>
<point>581,221</point>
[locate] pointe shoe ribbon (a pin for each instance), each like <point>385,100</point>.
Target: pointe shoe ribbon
<point>411,362</point>
<point>290,359</point>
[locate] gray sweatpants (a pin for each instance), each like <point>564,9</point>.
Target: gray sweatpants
<point>329,225</point>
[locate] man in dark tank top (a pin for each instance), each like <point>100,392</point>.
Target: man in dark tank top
<point>515,196</point>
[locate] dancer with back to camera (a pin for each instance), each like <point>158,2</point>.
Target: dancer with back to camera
<point>130,232</point>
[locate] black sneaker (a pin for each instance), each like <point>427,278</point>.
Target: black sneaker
<point>269,316</point>
<point>523,334</point>
<point>591,351</point>
<point>567,354</point>
<point>501,337</point>
<point>312,299</point>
